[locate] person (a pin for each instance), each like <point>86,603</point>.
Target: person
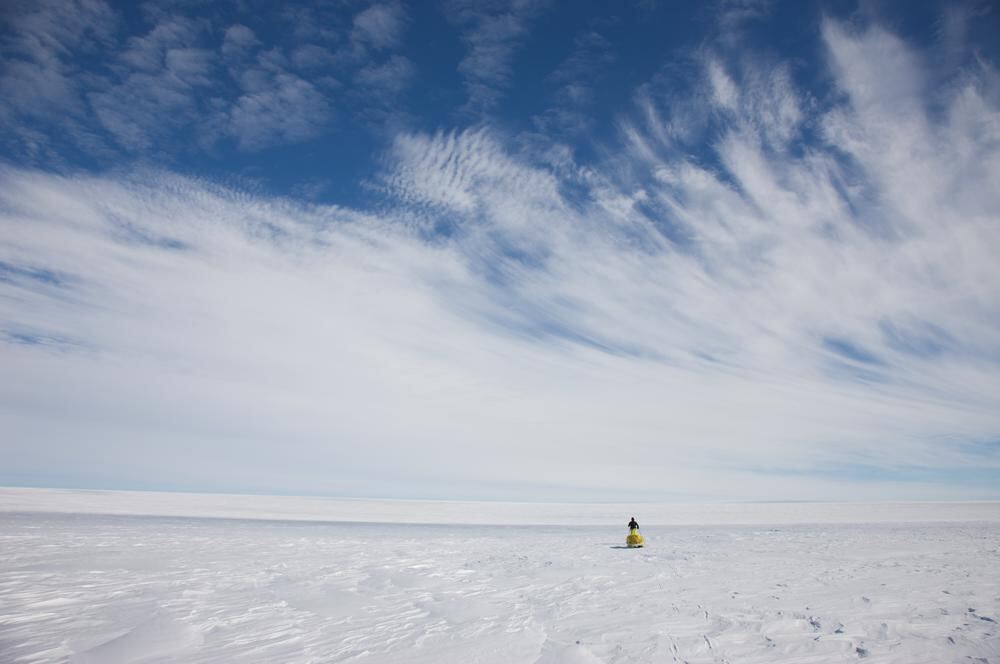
<point>634,539</point>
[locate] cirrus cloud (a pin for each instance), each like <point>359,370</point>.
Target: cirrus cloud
<point>786,317</point>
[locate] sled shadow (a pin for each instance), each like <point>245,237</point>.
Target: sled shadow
<point>619,546</point>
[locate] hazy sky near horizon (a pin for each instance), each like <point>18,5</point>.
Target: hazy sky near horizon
<point>506,249</point>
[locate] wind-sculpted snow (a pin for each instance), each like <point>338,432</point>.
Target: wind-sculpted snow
<point>111,589</point>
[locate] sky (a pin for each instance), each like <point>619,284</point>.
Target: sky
<point>502,250</point>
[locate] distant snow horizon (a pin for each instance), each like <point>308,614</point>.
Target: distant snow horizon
<point>332,509</point>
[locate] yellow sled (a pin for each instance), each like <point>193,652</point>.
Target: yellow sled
<point>634,539</point>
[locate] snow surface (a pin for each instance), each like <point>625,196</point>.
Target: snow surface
<point>112,588</point>
<point>303,508</point>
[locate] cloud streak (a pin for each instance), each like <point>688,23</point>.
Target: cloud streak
<point>492,32</point>
<point>787,319</point>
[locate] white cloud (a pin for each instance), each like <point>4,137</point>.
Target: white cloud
<point>377,91</point>
<point>314,57</point>
<point>158,76</point>
<point>744,330</point>
<point>237,42</point>
<point>763,99</point>
<point>576,80</point>
<point>386,78</point>
<point>38,75</point>
<point>284,95</point>
<point>379,26</point>
<point>723,87</point>
<point>735,15</point>
<point>73,76</point>
<point>288,110</point>
<point>492,32</point>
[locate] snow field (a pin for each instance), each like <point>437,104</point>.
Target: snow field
<point>109,589</point>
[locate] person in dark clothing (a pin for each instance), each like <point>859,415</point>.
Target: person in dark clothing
<point>634,539</point>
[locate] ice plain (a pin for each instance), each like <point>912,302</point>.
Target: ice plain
<point>117,577</point>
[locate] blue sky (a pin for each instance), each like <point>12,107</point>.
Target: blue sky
<point>503,250</point>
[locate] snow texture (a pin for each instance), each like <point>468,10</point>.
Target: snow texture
<point>302,508</point>
<point>115,588</point>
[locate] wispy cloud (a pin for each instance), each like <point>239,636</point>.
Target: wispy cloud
<point>492,32</point>
<point>274,105</point>
<point>734,323</point>
<point>576,81</point>
<point>378,87</point>
<point>37,44</point>
<point>39,79</point>
<point>156,86</point>
<point>78,78</point>
<point>237,42</point>
<point>288,111</point>
<point>381,82</point>
<point>380,26</point>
